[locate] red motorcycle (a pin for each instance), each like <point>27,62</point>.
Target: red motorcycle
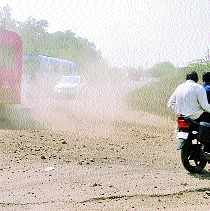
<point>194,142</point>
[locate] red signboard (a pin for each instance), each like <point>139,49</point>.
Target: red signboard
<point>10,67</point>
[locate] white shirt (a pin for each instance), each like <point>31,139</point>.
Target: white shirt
<point>189,99</point>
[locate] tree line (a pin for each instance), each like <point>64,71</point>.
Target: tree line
<point>64,45</point>
<point>67,45</point>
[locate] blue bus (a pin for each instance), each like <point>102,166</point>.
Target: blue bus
<point>45,65</point>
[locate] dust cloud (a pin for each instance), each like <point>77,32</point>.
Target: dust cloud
<point>99,103</point>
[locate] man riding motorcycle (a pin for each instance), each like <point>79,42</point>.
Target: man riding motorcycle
<point>189,103</point>
<point>190,99</point>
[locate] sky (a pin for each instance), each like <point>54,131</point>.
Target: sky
<point>128,32</point>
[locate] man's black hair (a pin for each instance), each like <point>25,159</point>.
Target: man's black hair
<point>206,77</point>
<point>192,76</point>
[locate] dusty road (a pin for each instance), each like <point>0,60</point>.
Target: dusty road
<point>97,156</point>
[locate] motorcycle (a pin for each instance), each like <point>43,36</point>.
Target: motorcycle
<point>194,143</point>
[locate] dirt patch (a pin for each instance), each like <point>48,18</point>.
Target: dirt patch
<point>88,159</point>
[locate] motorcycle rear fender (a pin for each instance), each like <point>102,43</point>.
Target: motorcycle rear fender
<point>181,143</point>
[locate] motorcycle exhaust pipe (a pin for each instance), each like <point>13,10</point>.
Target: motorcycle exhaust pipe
<point>207,155</point>
<point>180,143</point>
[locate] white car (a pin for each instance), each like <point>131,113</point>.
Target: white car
<point>70,86</point>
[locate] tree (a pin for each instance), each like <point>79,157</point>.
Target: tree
<point>64,45</point>
<point>199,65</point>
<point>161,69</point>
<point>33,33</point>
<point>6,18</point>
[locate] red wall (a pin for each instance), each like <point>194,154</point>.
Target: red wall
<point>10,75</point>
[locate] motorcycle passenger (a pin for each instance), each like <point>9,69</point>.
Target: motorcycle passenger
<point>190,99</point>
<point>206,84</point>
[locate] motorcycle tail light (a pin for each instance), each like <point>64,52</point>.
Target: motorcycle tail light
<point>182,124</point>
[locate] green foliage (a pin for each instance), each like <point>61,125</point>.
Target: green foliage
<point>200,65</point>
<point>64,45</point>
<point>6,20</point>
<point>161,69</point>
<point>153,97</point>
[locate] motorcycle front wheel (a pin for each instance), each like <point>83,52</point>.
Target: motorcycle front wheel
<point>192,159</point>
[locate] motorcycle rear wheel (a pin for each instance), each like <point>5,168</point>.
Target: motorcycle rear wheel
<point>191,159</point>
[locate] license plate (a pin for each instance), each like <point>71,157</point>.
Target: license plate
<point>183,135</point>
